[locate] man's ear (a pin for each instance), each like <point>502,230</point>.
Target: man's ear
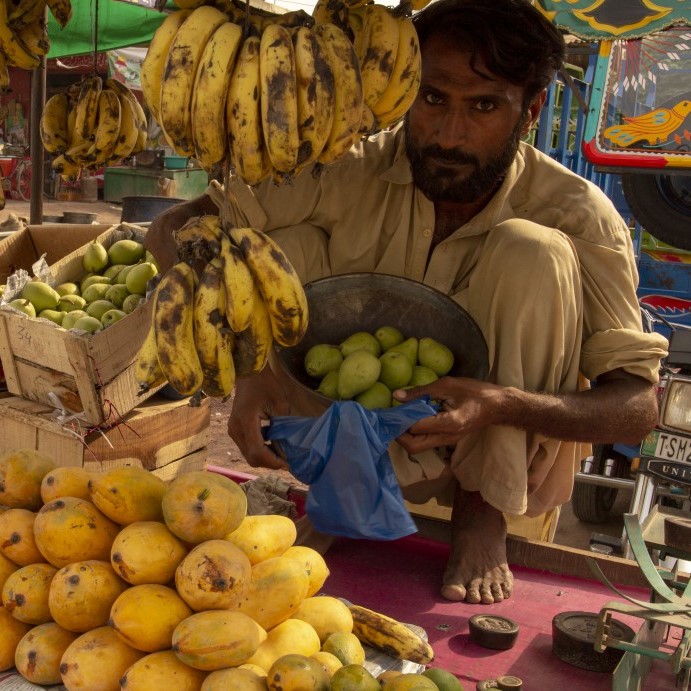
<point>533,112</point>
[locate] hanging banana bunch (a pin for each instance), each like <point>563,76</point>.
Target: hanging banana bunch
<point>270,95</point>
<point>92,124</point>
<point>219,320</point>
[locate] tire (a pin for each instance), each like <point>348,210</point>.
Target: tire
<point>662,205</point>
<point>592,503</point>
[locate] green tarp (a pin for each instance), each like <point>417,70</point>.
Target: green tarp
<point>120,24</point>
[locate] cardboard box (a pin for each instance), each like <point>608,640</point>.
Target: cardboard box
<point>163,436</point>
<point>88,374</point>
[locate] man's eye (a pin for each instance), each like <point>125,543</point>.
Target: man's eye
<point>485,105</point>
<point>433,99</point>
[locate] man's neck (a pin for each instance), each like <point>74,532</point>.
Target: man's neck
<point>449,216</point>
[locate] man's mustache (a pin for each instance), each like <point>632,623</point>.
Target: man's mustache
<point>450,155</point>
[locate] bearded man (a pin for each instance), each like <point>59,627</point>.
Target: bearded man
<point>537,255</point>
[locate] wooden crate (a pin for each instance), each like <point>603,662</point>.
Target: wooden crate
<point>88,374</point>
<point>163,436</point>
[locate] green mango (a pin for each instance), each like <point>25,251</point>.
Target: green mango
<point>23,306</point>
<point>69,303</point>
<point>436,356</point>
<point>377,396</point>
<point>360,340</point>
<point>328,386</point>
<point>354,676</point>
<point>422,376</point>
<point>396,369</point>
<point>321,359</point>
<point>445,680</point>
<point>40,295</point>
<point>95,257</point>
<point>125,252</point>
<point>388,337</point>
<point>139,276</point>
<point>409,348</point>
<point>357,373</point>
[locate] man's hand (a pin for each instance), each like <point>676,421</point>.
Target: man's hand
<point>257,399</point>
<point>466,405</point>
<point>159,237</point>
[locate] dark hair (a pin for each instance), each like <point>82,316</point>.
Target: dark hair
<point>511,37</point>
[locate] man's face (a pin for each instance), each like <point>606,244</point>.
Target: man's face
<point>463,129</point>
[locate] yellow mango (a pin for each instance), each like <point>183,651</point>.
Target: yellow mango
<point>216,639</point>
<point>21,473</point>
<point>290,636</point>
<point>263,536</point>
<point>214,575</point>
<point>81,594</point>
<point>11,632</point>
<point>66,481</point>
<point>38,654</point>
<point>277,587</point>
<point>147,552</point>
<point>146,615</point>
<point>236,678</point>
<point>97,660</point>
<point>313,563</point>
<point>201,505</point>
<point>69,529</point>
<point>326,614</point>
<point>294,672</point>
<point>25,593</point>
<point>162,670</point>
<point>17,541</point>
<point>328,661</point>
<point>128,494</point>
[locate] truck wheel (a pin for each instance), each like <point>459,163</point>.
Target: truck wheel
<point>661,203</point>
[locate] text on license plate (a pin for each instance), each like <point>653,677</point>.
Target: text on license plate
<point>671,447</point>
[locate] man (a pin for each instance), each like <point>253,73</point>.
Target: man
<point>538,256</point>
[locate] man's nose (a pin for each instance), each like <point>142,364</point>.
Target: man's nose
<point>452,129</point>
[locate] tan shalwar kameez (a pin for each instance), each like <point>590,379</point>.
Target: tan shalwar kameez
<point>546,269</point>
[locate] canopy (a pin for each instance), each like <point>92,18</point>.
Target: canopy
<point>120,24</point>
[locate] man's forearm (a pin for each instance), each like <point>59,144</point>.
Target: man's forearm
<point>620,410</point>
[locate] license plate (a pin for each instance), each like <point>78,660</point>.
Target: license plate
<point>671,447</point>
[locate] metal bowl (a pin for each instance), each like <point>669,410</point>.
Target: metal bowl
<point>341,305</point>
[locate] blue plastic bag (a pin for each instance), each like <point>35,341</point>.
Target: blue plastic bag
<point>343,457</point>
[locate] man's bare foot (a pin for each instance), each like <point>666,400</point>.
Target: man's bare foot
<point>309,537</point>
<point>477,570</point>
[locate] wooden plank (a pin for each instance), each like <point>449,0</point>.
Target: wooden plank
<point>195,461</point>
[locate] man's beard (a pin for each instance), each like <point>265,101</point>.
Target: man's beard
<point>443,184</point>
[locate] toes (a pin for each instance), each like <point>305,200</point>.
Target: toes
<point>497,591</point>
<point>453,592</point>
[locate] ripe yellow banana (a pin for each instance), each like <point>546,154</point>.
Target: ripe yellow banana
<point>35,36</point>
<point>155,59</point>
<point>278,284</point>
<point>147,370</point>
<point>253,345</point>
<point>380,52</point>
<point>87,107</point>
<point>174,329</point>
<point>177,80</point>
<point>108,125</point>
<point>16,51</point>
<point>248,154</point>
<point>405,78</point>
<point>241,290</point>
<point>199,238</point>
<point>128,134</point>
<point>315,94</point>
<point>348,94</point>
<point>68,170</point>
<point>390,636</point>
<point>213,337</point>
<point>139,115</point>
<point>53,126</point>
<point>4,74</point>
<point>25,12</point>
<point>278,99</point>
<point>331,11</point>
<point>61,11</point>
<point>209,129</point>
